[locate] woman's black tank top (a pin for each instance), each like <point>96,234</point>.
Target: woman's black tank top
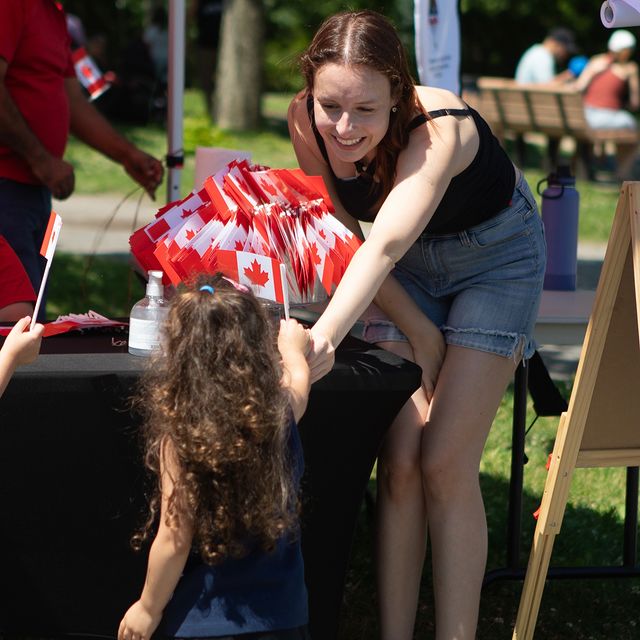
<point>476,194</point>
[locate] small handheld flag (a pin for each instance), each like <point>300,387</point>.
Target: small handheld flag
<point>47,250</point>
<point>88,73</point>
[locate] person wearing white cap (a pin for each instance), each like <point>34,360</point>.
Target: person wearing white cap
<point>611,86</point>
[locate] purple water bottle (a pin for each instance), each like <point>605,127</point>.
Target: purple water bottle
<point>560,205</point>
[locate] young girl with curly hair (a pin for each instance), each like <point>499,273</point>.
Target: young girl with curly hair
<point>220,408</point>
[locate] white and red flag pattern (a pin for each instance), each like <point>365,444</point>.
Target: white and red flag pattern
<point>246,221</point>
<point>88,73</point>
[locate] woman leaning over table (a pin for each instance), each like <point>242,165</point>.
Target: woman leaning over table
<point>456,226</point>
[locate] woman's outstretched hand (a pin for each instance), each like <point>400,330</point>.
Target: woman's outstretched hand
<point>321,355</point>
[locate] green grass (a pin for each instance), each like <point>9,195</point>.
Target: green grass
<point>591,535</point>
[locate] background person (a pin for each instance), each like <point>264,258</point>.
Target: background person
<point>539,65</point>
<point>220,428</point>
<point>540,62</point>
<point>456,226</point>
<point>17,296</point>
<point>40,100</point>
<point>610,83</point>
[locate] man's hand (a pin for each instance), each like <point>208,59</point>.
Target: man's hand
<point>55,174</point>
<point>146,170</point>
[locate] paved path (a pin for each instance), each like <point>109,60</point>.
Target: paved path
<point>102,223</point>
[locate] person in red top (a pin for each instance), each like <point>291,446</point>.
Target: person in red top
<point>610,83</point>
<point>40,102</point>
<point>16,293</point>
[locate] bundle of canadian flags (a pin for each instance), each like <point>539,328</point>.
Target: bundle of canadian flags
<point>246,221</point>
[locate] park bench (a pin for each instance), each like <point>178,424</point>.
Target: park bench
<point>558,111</point>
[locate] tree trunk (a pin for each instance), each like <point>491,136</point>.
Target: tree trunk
<point>239,72</point>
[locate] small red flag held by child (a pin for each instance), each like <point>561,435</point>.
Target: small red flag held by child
<point>47,250</point>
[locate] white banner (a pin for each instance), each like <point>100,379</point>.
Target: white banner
<point>437,30</point>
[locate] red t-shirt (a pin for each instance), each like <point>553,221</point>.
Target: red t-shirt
<point>14,282</point>
<point>35,44</point>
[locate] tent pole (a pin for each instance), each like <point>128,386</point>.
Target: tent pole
<point>175,90</point>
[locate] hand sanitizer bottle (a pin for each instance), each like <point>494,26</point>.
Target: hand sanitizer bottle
<point>147,317</point>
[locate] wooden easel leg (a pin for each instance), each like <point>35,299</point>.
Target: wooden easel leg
<point>533,586</point>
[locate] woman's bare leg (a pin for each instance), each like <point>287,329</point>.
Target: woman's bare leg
<point>469,390</point>
<point>401,517</point>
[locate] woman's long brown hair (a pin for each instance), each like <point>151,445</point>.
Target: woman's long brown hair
<point>214,394</point>
<point>367,38</point>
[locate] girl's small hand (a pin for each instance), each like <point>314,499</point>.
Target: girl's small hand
<point>293,337</point>
<point>22,346</point>
<point>138,623</point>
<point>321,357</point>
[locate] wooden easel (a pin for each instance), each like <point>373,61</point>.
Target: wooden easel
<point>601,427</point>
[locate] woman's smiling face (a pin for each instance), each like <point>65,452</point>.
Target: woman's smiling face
<point>352,107</point>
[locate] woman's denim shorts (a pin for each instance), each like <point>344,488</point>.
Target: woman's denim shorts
<point>481,286</point>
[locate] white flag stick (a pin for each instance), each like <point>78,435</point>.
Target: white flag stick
<point>285,289</point>
<point>40,294</point>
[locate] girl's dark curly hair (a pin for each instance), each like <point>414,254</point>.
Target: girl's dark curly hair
<point>367,38</point>
<point>214,394</point>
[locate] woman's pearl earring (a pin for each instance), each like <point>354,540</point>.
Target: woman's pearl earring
<point>394,109</point>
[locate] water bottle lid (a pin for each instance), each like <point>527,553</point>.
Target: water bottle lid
<point>154,284</point>
<point>562,176</point>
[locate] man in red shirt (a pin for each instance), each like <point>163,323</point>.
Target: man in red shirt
<point>40,102</point>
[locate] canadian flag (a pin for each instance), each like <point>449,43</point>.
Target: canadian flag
<point>175,215</point>
<point>50,239</point>
<point>191,258</point>
<point>260,273</point>
<point>214,186</point>
<point>320,258</point>
<point>177,239</point>
<point>88,73</point>
<point>47,249</point>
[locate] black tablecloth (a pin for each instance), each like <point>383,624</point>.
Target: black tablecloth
<point>72,481</point>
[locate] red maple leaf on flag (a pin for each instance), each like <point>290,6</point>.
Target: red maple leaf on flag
<point>186,213</point>
<point>322,234</point>
<point>190,234</point>
<point>256,274</point>
<point>86,71</point>
<point>239,245</point>
<point>269,188</point>
<point>315,256</point>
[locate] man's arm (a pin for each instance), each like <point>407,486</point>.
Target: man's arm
<point>56,174</point>
<point>90,126</point>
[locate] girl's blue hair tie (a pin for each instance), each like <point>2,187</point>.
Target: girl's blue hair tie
<point>208,288</point>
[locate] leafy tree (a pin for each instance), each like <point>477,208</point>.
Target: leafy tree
<point>496,32</point>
